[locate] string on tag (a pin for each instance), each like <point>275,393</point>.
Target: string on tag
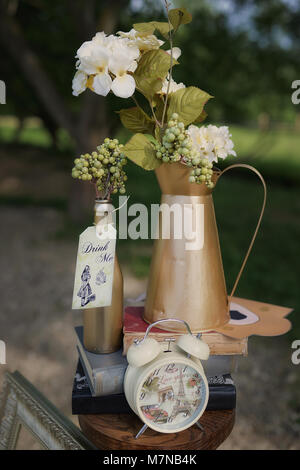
<point>122,205</point>
<point>104,228</point>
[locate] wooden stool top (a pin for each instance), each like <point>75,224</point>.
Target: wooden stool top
<point>117,432</point>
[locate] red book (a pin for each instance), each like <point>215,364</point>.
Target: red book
<point>135,327</point>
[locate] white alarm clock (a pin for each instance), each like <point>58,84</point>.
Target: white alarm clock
<point>167,387</point>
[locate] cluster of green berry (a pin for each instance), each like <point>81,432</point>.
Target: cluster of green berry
<point>103,167</point>
<point>175,142</point>
<point>202,172</point>
<point>177,146</point>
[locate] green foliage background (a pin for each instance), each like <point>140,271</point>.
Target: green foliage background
<point>248,69</point>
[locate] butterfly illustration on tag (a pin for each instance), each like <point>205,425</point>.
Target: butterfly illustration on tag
<point>101,278</point>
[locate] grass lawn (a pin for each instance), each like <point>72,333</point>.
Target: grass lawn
<point>276,153</point>
<point>31,134</point>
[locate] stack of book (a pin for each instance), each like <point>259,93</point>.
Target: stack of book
<point>98,382</point>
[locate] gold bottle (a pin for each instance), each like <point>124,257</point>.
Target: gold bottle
<point>102,326</point>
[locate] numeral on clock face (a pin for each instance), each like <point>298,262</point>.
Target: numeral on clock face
<point>170,368</point>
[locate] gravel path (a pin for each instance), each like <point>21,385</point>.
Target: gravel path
<point>36,322</point>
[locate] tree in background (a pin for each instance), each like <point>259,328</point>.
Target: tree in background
<point>39,39</point>
<point>246,54</point>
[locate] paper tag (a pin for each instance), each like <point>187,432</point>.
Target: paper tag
<point>95,267</point>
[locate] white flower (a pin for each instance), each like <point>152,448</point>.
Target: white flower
<point>123,84</point>
<point>85,50</point>
<point>100,38</point>
<point>176,52</point>
<point>103,64</point>
<point>144,41</point>
<point>119,46</point>
<point>115,44</point>
<point>173,86</point>
<point>212,142</point>
<point>79,83</point>
<point>97,64</point>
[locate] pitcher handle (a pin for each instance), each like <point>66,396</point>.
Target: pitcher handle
<point>243,165</point>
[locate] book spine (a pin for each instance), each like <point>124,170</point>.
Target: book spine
<point>100,405</point>
<point>89,379</point>
<point>221,398</point>
<point>217,347</point>
<point>109,382</point>
<point>106,382</point>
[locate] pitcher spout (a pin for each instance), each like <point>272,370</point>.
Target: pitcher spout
<point>174,179</point>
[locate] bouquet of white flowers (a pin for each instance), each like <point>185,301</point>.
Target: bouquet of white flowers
<point>133,63</point>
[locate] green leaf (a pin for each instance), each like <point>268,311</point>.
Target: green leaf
<point>201,117</point>
<point>140,150</point>
<point>150,27</point>
<point>151,138</point>
<point>152,70</point>
<point>179,16</point>
<point>158,104</point>
<point>147,28</point>
<point>162,27</point>
<point>188,103</point>
<point>136,120</point>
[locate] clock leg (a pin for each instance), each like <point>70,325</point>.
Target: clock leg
<point>141,431</point>
<point>200,426</point>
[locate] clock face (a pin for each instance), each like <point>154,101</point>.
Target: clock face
<point>172,396</point>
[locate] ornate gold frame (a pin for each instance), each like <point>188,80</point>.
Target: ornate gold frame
<point>21,404</point>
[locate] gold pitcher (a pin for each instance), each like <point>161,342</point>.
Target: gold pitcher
<point>102,326</point>
<point>189,285</point>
